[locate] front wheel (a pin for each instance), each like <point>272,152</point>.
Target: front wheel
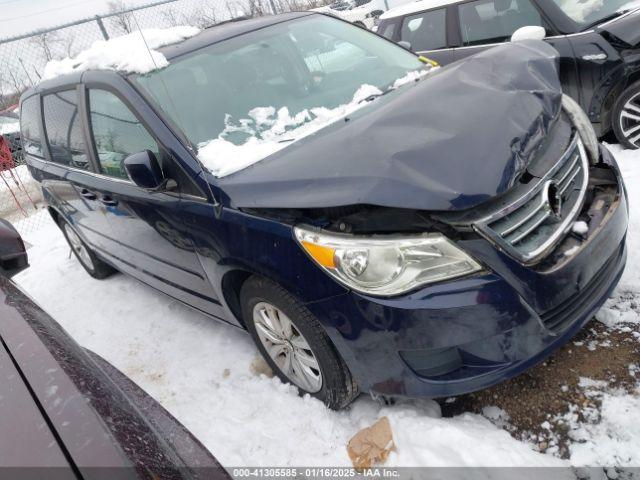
<point>626,117</point>
<point>294,344</point>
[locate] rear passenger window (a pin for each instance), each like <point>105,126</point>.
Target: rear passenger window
<point>425,31</point>
<point>64,130</point>
<point>30,127</point>
<point>117,133</point>
<point>494,21</point>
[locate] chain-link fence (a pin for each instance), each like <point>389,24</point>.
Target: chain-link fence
<point>23,58</point>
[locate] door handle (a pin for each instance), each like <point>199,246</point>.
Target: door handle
<point>88,194</point>
<point>107,200</point>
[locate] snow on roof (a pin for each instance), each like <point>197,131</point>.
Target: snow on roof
<point>127,53</point>
<point>414,7</point>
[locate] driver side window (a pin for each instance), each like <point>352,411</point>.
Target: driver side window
<point>117,133</point>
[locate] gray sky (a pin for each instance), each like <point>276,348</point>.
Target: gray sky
<point>23,16</point>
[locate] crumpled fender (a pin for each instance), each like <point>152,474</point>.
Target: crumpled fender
<point>455,139</point>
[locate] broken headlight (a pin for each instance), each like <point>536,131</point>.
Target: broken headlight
<point>386,265</point>
<point>583,125</point>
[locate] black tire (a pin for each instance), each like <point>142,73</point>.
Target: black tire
<point>631,94</point>
<point>92,264</point>
<point>338,386</point>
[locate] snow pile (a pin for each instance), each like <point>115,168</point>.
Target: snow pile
<point>624,306</point>
<point>128,53</point>
<point>611,436</point>
<point>581,228</point>
<point>8,128</point>
<point>269,131</point>
<point>412,76</point>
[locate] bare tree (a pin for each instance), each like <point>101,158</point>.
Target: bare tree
<point>202,16</point>
<point>171,17</point>
<point>234,9</point>
<point>254,8</point>
<point>122,18</point>
<point>68,42</point>
<point>46,42</point>
<point>17,84</point>
<point>10,88</point>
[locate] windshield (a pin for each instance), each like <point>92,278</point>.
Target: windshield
<point>587,13</point>
<point>271,86</point>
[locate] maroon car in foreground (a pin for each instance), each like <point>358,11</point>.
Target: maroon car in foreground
<point>67,413</point>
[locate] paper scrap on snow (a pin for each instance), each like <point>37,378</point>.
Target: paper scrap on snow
<point>371,445</point>
<point>128,53</point>
<point>259,366</point>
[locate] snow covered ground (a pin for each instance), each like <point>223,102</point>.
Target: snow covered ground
<point>201,371</point>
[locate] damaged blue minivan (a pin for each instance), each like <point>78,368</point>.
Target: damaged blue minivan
<point>375,223</point>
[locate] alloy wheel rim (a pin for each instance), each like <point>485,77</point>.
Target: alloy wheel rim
<point>79,247</point>
<point>287,347</point>
<point>630,120</point>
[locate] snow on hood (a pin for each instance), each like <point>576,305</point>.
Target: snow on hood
<point>451,142</point>
<point>128,53</point>
<point>271,130</point>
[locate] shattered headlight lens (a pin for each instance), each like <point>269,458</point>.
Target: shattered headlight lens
<point>386,265</point>
<point>584,127</point>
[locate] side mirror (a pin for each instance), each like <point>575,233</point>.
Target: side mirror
<point>13,254</point>
<point>406,45</point>
<point>144,170</point>
<point>529,33</point>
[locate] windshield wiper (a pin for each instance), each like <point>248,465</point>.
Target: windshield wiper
<point>373,96</point>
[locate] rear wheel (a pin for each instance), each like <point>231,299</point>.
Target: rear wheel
<point>626,117</point>
<point>294,344</point>
<point>89,261</point>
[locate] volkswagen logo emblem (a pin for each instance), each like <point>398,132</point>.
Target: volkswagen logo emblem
<point>554,199</point>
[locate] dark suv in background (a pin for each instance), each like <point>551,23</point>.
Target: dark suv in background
<point>598,42</point>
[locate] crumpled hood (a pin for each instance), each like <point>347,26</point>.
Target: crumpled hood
<point>626,28</point>
<point>452,141</point>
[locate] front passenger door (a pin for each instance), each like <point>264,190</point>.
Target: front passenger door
<point>153,243</point>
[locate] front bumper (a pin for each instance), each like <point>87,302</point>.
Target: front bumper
<point>468,334</point>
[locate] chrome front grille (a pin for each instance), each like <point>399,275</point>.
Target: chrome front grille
<point>529,226</point>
